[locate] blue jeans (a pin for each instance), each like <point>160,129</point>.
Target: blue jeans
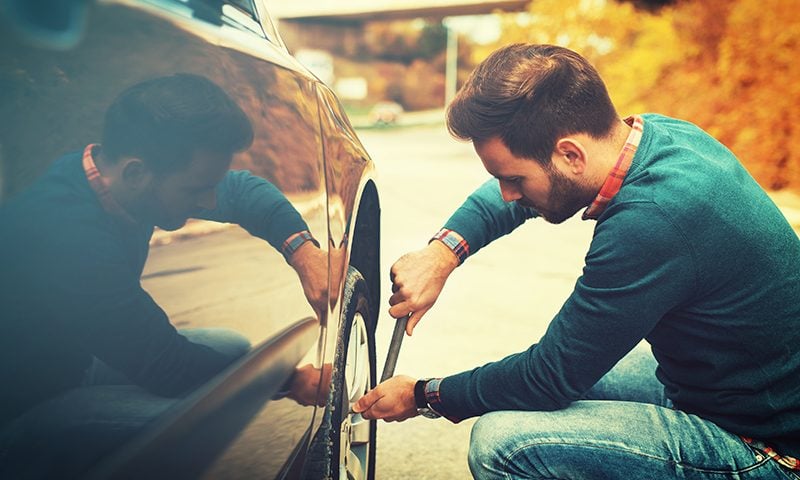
<point>625,428</point>
<point>64,436</point>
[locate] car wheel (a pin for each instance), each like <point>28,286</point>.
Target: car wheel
<point>354,374</point>
<point>344,446</point>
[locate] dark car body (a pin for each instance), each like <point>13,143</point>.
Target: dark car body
<point>55,89</point>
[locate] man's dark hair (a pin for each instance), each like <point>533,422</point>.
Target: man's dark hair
<point>164,121</point>
<point>529,96</point>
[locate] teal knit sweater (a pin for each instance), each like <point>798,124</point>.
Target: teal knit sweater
<point>70,288</point>
<point>692,256</point>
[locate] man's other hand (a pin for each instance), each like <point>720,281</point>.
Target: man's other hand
<point>417,280</point>
<point>311,265</point>
<point>310,386</point>
<point>392,401</point>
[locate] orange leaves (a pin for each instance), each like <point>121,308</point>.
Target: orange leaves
<point>729,66</point>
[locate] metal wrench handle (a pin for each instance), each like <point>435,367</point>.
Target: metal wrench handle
<point>394,348</point>
<point>391,359</point>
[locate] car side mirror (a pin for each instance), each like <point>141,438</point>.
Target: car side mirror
<point>51,24</point>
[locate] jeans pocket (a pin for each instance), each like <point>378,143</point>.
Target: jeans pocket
<point>772,468</point>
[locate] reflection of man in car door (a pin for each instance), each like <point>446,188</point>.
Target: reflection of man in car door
<point>88,357</point>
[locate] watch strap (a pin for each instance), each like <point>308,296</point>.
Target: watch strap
<point>419,393</point>
<point>421,399</point>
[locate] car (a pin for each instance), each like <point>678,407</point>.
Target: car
<point>385,113</point>
<point>60,72</point>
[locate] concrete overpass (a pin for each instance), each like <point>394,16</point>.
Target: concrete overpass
<point>357,11</point>
<point>338,26</point>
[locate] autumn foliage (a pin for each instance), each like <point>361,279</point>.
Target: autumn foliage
<point>729,66</point>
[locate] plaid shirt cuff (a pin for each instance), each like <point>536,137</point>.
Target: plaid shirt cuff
<point>785,461</point>
<point>295,241</point>
<point>435,400</point>
<point>454,242</point>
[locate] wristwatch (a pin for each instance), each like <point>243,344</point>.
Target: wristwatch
<point>423,407</point>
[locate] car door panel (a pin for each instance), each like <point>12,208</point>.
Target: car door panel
<point>205,274</point>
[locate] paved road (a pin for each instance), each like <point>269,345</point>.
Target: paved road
<point>497,303</point>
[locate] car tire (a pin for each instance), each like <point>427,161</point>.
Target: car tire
<point>345,445</point>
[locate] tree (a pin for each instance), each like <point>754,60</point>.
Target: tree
<point>728,66</point>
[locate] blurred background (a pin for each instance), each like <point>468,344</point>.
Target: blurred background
<point>729,66</point>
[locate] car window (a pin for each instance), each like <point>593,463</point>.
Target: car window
<point>239,14</point>
<point>246,6</point>
<point>269,26</point>
<point>242,14</point>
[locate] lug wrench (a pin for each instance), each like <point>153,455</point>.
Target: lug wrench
<point>391,357</point>
<point>394,348</point>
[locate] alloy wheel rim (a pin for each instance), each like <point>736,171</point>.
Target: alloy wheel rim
<point>354,433</point>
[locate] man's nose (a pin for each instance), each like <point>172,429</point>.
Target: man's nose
<point>509,192</point>
<point>208,201</point>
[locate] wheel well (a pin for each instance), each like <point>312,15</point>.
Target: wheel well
<point>365,252</point>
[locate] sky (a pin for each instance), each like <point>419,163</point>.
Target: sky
<point>479,28</point>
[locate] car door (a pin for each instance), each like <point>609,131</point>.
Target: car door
<point>206,274</point>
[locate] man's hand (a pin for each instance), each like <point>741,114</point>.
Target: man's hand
<point>392,400</point>
<point>311,265</point>
<point>305,385</point>
<point>417,280</point>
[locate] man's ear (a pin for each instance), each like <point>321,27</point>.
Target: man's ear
<point>136,175</point>
<point>571,153</point>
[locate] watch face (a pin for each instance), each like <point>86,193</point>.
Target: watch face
<point>428,413</point>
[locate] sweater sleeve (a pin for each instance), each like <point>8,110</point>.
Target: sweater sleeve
<point>485,216</point>
<point>95,296</point>
<point>257,206</point>
<point>639,266</point>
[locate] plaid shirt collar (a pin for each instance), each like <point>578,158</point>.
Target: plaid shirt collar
<point>617,175</point>
<point>100,185</point>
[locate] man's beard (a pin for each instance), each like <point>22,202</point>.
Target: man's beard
<point>566,197</point>
<point>149,210</point>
